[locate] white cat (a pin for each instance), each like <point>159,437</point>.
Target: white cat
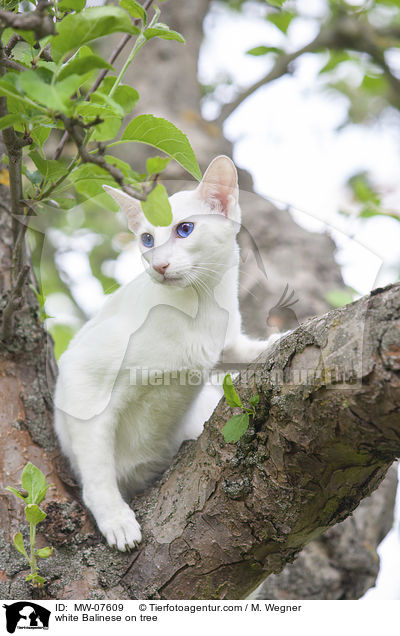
<point>119,428</point>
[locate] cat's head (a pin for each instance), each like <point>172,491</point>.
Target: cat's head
<point>199,246</point>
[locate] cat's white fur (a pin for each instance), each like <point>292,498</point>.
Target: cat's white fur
<point>118,433</point>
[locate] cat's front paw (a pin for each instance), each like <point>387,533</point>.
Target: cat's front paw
<point>121,529</point>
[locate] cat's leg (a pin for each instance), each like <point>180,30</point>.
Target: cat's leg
<point>245,349</point>
<point>92,445</point>
<point>200,410</point>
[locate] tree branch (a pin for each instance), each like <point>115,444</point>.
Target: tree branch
<point>14,301</point>
<point>76,130</point>
<point>344,33</point>
<point>279,69</point>
<point>37,21</point>
<point>12,42</point>
<point>225,516</point>
<point>13,65</point>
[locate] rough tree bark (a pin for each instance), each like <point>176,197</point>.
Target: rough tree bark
<point>83,566</point>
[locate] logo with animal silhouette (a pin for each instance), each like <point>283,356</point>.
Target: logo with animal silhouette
<point>282,316</point>
<point>26,615</point>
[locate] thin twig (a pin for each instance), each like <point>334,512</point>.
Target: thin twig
<point>13,302</point>
<point>345,33</point>
<point>13,65</point>
<point>279,69</point>
<point>76,130</point>
<point>13,41</point>
<point>111,61</point>
<point>44,53</point>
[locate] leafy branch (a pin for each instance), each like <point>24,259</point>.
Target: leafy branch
<point>346,32</point>
<point>113,57</point>
<point>46,66</point>
<point>33,493</point>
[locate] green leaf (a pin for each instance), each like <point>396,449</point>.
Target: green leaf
<point>161,134</point>
<point>90,110</point>
<point>9,5</point>
<point>40,135</point>
<point>49,168</point>
<point>9,90</point>
<point>29,36</point>
<point>106,130</point>
<point>363,189</point>
<point>155,165</point>
<point>41,298</point>
<point>62,335</point>
<point>254,400</point>
<point>130,175</point>
<point>75,5</point>
<point>336,58</point>
<point>125,96</point>
<point>42,494</point>
<point>34,514</point>
<point>79,28</point>
<point>55,96</point>
<point>10,120</point>
<point>19,544</point>
<point>16,492</point>
<point>281,20</point>
<point>34,177</point>
<point>230,394</point>
<point>163,31</point>
<point>36,579</point>
<point>235,427</point>
<point>375,84</point>
<point>367,212</point>
<point>89,180</point>
<point>22,53</point>
<point>134,9</point>
<point>263,50</point>
<point>34,482</point>
<point>82,65</point>
<point>157,208</point>
<point>277,3</point>
<point>44,553</point>
<point>340,297</point>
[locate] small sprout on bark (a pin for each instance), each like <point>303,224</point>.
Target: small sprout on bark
<point>33,492</point>
<point>237,425</point>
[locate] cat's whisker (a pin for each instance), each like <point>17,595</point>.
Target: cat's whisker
<point>200,285</point>
<point>206,271</point>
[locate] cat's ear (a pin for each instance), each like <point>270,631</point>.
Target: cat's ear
<point>219,186</point>
<point>130,206</point>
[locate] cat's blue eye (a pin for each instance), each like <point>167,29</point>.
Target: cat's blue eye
<point>147,239</point>
<point>184,229</point>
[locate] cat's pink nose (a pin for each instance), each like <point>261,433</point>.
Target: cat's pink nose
<point>161,269</point>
